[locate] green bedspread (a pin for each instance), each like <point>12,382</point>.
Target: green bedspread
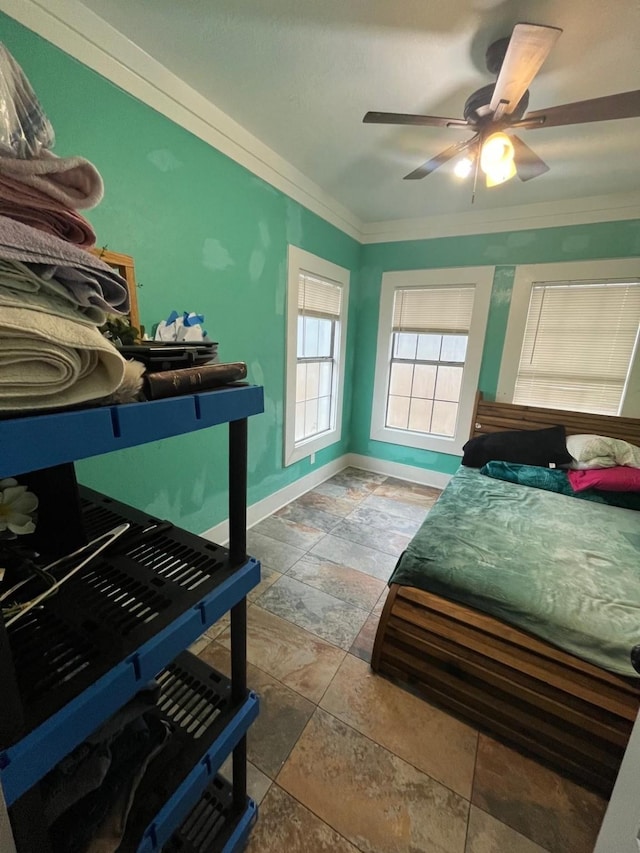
<point>565,570</point>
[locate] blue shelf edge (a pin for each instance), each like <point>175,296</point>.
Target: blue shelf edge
<point>27,761</point>
<point>240,834</point>
<point>184,798</point>
<point>41,441</point>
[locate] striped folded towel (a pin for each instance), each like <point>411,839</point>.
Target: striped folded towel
<point>91,281</point>
<point>20,282</point>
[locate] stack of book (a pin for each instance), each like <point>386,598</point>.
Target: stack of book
<point>173,369</point>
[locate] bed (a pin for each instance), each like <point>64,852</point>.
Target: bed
<point>566,694</point>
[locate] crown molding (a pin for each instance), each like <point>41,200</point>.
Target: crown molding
<point>578,211</point>
<point>82,34</point>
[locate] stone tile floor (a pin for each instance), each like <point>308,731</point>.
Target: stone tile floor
<point>342,760</point>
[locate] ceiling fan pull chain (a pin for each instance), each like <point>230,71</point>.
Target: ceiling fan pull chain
<point>475,171</point>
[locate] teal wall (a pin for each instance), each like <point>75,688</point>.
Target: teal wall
<point>504,251</point>
<point>209,236</point>
<point>206,235</point>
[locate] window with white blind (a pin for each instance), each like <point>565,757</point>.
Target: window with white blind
<point>430,338</point>
<point>317,299</point>
<point>572,338</point>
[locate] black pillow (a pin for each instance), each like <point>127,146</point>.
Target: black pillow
<point>527,447</point>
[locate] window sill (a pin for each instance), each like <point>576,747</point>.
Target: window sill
<point>437,444</point>
<point>311,445</point>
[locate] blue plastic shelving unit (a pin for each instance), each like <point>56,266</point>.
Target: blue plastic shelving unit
<point>42,441</point>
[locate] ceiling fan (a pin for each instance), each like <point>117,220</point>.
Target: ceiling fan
<point>493,113</point>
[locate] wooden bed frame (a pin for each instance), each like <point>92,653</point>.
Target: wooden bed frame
<point>570,713</point>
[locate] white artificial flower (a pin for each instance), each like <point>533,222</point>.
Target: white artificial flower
<point>17,505</point>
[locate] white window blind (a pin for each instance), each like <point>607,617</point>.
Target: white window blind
<point>318,298</point>
<point>434,310</point>
<point>578,344</point>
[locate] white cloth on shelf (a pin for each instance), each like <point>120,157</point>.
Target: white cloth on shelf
<point>49,361</point>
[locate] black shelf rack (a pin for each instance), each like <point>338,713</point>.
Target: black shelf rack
<point>125,619</point>
<point>213,826</point>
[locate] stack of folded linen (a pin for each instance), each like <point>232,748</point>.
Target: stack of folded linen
<point>30,205</point>
<point>53,293</point>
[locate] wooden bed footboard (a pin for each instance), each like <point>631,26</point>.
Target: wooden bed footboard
<point>573,715</point>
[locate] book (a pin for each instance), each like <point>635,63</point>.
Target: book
<point>189,380</point>
<point>165,356</point>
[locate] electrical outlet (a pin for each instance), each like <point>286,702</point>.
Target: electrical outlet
<point>313,458</point>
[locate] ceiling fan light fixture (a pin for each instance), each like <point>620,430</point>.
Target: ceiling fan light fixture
<point>500,176</point>
<point>463,167</point>
<point>497,159</point>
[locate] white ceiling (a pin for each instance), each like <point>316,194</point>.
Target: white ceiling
<point>300,74</point>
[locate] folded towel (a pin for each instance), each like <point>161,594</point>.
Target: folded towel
<point>73,181</point>
<point>21,280</point>
<point>51,304</point>
<point>48,361</point>
<point>26,204</point>
<point>91,281</point>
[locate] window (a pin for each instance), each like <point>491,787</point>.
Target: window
<point>430,339</point>
<point>572,337</point>
<point>317,301</point>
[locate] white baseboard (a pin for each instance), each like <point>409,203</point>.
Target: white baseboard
<point>267,506</point>
<point>257,511</point>
<point>411,473</point>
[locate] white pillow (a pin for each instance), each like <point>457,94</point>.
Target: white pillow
<point>600,451</point>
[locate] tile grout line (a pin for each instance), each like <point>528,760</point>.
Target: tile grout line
<point>308,553</point>
<point>318,589</point>
<point>340,600</point>
<point>339,518</point>
<point>304,805</point>
<point>473,785</point>
<point>284,619</point>
<point>381,746</point>
<point>511,828</point>
<point>390,751</point>
<point>317,816</point>
<point>377,550</point>
<point>306,630</point>
<point>278,680</point>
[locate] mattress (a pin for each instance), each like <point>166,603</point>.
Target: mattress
<point>567,571</point>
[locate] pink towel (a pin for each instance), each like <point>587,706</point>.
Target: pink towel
<point>73,181</point>
<point>28,205</point>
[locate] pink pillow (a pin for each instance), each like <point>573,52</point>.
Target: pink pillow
<point>618,479</point>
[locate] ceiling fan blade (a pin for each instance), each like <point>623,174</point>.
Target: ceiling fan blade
<point>528,164</point>
<point>440,159</point>
<point>529,46</point>
<point>417,120</point>
<point>623,105</point>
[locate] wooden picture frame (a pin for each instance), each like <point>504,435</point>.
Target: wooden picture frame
<point>123,264</point>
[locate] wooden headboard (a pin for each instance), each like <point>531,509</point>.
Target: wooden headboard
<point>493,417</point>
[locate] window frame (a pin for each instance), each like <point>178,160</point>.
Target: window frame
<point>300,261</point>
<point>529,274</point>
<point>482,279</point>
